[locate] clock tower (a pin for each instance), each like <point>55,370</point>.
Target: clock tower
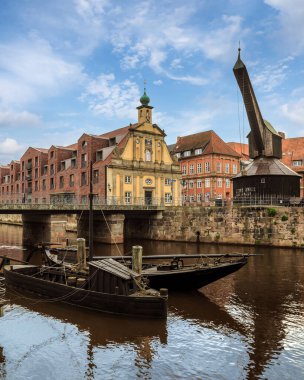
<point>144,110</point>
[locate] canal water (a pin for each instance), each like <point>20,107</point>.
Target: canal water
<point>246,326</point>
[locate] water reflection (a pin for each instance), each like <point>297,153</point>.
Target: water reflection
<point>245,326</point>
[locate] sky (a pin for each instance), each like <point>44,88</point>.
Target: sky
<point>74,66</point>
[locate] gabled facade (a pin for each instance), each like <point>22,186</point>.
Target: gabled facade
<point>207,164</point>
<point>140,169</point>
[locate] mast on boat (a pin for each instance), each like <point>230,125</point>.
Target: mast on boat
<point>91,216</point>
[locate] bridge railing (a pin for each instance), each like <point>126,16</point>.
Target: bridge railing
<point>72,201</point>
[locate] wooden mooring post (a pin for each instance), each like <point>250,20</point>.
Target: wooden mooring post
<point>81,254</point>
<point>137,258</point>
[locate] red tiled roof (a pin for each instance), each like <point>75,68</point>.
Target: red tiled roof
<point>209,141</point>
<point>120,131</point>
<point>293,150</point>
<point>43,150</point>
<point>241,149</point>
<point>73,146</point>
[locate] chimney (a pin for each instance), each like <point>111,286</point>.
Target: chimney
<point>282,134</point>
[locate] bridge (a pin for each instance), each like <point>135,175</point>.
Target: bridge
<point>58,205</point>
<point>47,221</point>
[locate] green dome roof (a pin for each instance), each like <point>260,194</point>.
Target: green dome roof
<point>145,100</point>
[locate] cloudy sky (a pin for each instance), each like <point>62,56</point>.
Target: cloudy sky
<point>74,66</point>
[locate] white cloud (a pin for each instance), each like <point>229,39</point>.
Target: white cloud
<point>176,64</point>
<point>31,70</point>
<point>10,118</point>
<point>197,81</point>
<point>291,16</point>
<point>140,41</point>
<point>107,97</point>
<point>10,146</point>
<point>294,111</point>
<point>271,76</point>
<point>219,43</point>
<point>158,82</point>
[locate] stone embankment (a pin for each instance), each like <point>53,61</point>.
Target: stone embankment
<point>11,219</point>
<point>272,226</point>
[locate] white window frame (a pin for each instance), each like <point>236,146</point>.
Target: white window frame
<point>199,184</point>
<point>191,184</point>
<point>128,179</point>
<point>168,198</point>
<point>297,163</point>
<point>198,151</point>
<point>128,197</point>
<point>184,169</point>
<point>219,182</point>
<point>207,182</point>
<point>227,183</point>
<point>207,167</point>
<point>218,167</point>
<point>191,169</point>
<point>227,167</point>
<point>199,168</point>
<point>187,153</point>
<point>234,168</point>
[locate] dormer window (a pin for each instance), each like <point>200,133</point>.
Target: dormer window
<point>297,163</point>
<point>112,141</point>
<point>187,153</point>
<point>198,151</point>
<point>99,155</point>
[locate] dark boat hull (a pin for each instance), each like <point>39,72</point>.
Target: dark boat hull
<point>137,306</point>
<point>191,279</point>
<point>185,279</point>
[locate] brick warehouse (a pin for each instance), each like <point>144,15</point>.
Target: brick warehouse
<point>207,165</point>
<point>130,164</point>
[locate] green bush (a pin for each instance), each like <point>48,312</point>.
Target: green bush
<point>284,218</point>
<point>271,212</point>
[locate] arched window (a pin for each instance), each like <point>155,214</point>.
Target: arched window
<point>148,155</point>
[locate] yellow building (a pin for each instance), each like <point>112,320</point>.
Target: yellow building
<point>140,169</point>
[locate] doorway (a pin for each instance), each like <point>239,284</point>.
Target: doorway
<point>148,197</point>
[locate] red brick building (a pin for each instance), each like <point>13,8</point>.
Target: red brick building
<point>130,163</point>
<point>207,165</point>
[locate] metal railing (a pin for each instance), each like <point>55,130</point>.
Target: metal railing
<point>66,200</point>
<point>81,202</point>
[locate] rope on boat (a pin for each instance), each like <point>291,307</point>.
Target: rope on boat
<point>57,299</point>
<point>139,282</point>
<point>2,291</point>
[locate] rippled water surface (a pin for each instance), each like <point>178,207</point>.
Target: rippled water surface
<point>246,326</point>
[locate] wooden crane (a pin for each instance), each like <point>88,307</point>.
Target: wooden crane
<point>263,140</point>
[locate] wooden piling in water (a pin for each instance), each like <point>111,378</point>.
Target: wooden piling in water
<point>137,258</point>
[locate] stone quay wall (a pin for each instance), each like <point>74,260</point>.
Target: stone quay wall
<point>273,226</point>
<point>15,219</point>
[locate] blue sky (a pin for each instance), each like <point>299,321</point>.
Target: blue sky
<point>74,66</point>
